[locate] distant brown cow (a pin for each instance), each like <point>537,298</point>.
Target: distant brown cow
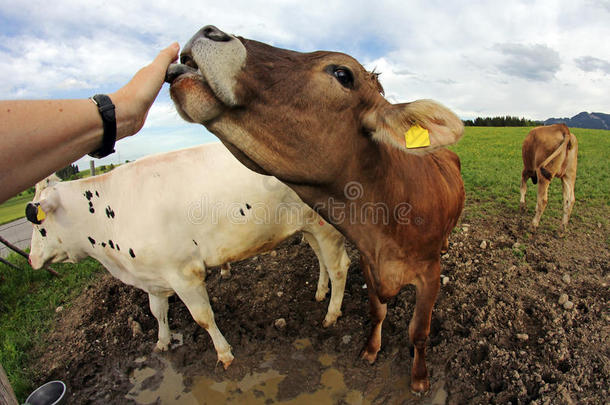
<point>550,151</point>
<point>319,123</point>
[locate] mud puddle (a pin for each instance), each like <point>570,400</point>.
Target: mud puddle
<point>166,385</point>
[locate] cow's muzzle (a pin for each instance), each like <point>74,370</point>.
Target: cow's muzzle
<point>177,69</point>
<point>187,63</point>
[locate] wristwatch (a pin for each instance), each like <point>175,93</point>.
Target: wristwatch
<point>106,109</point>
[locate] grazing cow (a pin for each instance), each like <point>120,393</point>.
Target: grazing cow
<point>319,123</point>
<point>159,222</point>
<point>550,151</point>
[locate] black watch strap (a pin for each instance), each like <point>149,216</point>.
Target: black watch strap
<point>106,109</point>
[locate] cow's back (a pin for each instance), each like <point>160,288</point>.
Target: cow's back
<point>540,143</point>
<point>168,209</point>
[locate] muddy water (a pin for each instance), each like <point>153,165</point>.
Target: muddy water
<point>258,387</point>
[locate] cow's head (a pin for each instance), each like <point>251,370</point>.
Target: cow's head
<point>299,116</point>
<point>51,239</point>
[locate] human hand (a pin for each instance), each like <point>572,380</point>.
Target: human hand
<point>133,100</point>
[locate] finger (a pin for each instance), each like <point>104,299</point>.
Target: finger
<point>167,55</point>
<point>154,73</point>
<point>164,58</point>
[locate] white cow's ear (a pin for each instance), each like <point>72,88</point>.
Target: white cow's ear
<point>418,127</point>
<point>50,203</point>
<point>36,212</point>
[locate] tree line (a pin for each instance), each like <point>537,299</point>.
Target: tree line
<point>67,172</point>
<point>506,121</point>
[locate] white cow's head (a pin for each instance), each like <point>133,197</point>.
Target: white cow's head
<point>52,238</point>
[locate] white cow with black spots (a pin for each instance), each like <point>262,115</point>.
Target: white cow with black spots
<point>157,223</point>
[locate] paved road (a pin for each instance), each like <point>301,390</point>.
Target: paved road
<point>18,232</point>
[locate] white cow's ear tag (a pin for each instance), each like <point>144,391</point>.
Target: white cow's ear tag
<point>417,137</point>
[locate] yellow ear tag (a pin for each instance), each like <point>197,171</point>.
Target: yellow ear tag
<point>417,137</point>
<point>40,215</point>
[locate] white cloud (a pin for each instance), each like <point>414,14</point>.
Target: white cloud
<point>592,64</point>
<point>532,62</point>
<point>535,59</point>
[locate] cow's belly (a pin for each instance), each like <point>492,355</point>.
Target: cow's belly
<point>243,241</point>
<point>149,279</point>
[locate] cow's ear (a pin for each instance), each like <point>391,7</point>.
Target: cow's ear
<point>50,202</point>
<point>36,212</point>
<point>418,127</point>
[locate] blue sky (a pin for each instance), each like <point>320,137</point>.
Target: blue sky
<point>536,59</point>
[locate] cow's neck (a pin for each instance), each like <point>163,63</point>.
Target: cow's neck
<point>361,201</point>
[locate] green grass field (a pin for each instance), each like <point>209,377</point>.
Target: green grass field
<point>491,168</point>
<point>14,208</point>
<point>492,165</point>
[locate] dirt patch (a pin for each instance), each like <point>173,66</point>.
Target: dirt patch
<point>498,335</point>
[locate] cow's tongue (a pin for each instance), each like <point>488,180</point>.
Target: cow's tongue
<point>176,69</point>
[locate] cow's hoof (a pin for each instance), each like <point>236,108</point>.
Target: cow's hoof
<point>330,320</point>
<point>321,294</point>
<point>420,387</point>
<point>368,356</point>
<point>226,360</point>
<point>161,347</point>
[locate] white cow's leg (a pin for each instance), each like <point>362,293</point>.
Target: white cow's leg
<point>191,290</point>
<point>159,307</point>
<point>333,256</point>
<point>323,278</point>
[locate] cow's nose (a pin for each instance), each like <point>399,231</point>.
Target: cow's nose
<point>213,33</point>
<point>209,32</point>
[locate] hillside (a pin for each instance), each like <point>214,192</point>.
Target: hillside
<point>584,119</point>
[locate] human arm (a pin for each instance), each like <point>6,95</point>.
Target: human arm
<point>39,137</point>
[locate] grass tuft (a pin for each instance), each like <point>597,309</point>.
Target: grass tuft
<point>28,299</point>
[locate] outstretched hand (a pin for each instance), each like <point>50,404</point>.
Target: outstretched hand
<point>38,137</point>
<point>133,100</point>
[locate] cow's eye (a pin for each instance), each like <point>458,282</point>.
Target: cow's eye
<point>344,76</point>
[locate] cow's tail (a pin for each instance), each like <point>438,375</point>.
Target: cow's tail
<point>566,140</point>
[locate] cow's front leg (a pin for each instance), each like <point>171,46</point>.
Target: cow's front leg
<point>378,313</point>
<point>158,307</point>
<point>426,288</point>
<point>190,287</point>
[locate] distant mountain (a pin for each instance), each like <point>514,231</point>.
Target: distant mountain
<point>584,120</point>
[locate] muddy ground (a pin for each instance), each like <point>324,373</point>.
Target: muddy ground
<point>498,334</point>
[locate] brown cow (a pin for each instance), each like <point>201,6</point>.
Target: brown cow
<point>550,151</point>
<point>319,123</point>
